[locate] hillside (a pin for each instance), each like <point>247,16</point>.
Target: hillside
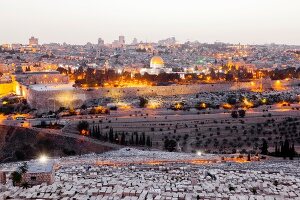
<point>18,143</point>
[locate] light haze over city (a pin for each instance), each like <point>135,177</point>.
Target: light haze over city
<point>78,21</point>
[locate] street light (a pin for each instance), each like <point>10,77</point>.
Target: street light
<point>43,158</point>
<point>199,153</point>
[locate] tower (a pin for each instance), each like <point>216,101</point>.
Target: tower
<point>33,41</point>
<point>122,40</point>
<point>100,42</point>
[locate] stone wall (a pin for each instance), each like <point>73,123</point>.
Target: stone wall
<point>39,178</point>
<point>53,99</point>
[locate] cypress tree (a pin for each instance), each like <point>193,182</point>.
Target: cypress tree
<point>111,135</point>
<point>136,139</point>
<point>143,139</point>
<point>292,152</point>
<point>131,139</point>
<point>148,141</point>
<point>93,133</point>
<point>286,148</point>
<point>122,142</point>
<point>277,152</point>
<point>264,148</point>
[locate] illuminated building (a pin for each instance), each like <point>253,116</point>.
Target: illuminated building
<point>157,62</point>
<point>157,66</point>
<point>44,77</point>
<point>145,47</point>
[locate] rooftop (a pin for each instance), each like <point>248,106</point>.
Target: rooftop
<point>38,167</point>
<point>52,87</point>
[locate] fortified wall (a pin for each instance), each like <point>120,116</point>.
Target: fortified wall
<point>46,100</point>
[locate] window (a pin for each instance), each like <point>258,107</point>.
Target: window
<point>33,178</point>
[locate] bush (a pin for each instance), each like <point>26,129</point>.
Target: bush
<point>143,102</point>
<point>82,125</point>
<point>234,114</point>
<point>242,113</point>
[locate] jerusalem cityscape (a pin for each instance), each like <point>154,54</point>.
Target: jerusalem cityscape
<point>150,100</point>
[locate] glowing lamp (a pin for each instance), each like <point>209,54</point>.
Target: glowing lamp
<point>199,153</point>
<point>43,158</point>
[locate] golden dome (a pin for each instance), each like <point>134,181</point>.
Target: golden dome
<point>156,60</point>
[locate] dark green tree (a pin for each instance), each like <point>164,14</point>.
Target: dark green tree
<point>82,125</point>
<point>242,113</point>
<point>234,114</point>
<point>122,142</point>
<point>264,148</point>
<point>148,141</point>
<point>136,138</point>
<point>16,178</point>
<point>170,145</point>
<point>143,102</point>
<point>111,135</point>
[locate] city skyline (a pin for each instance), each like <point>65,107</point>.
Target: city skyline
<point>246,22</point>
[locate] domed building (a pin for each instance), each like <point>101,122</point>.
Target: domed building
<point>157,66</point>
<point>157,62</point>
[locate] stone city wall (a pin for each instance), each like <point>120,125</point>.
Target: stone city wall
<point>54,99</point>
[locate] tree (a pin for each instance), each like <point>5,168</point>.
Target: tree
<point>143,102</point>
<point>83,107</point>
<point>170,145</point>
<point>285,149</point>
<point>242,113</point>
<point>249,157</point>
<point>148,141</point>
<point>231,100</point>
<point>234,114</point>
<point>142,139</point>
<point>264,148</point>
<point>27,69</point>
<point>111,135</point>
<point>24,168</point>
<point>136,138</point>
<point>16,178</point>
<point>277,152</point>
<point>82,126</point>
<point>43,124</point>
<point>292,152</point>
<point>122,142</point>
<point>131,141</point>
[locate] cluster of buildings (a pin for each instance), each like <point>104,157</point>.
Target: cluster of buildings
<point>52,64</point>
<point>190,57</point>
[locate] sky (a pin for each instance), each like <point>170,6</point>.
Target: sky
<point>82,21</point>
